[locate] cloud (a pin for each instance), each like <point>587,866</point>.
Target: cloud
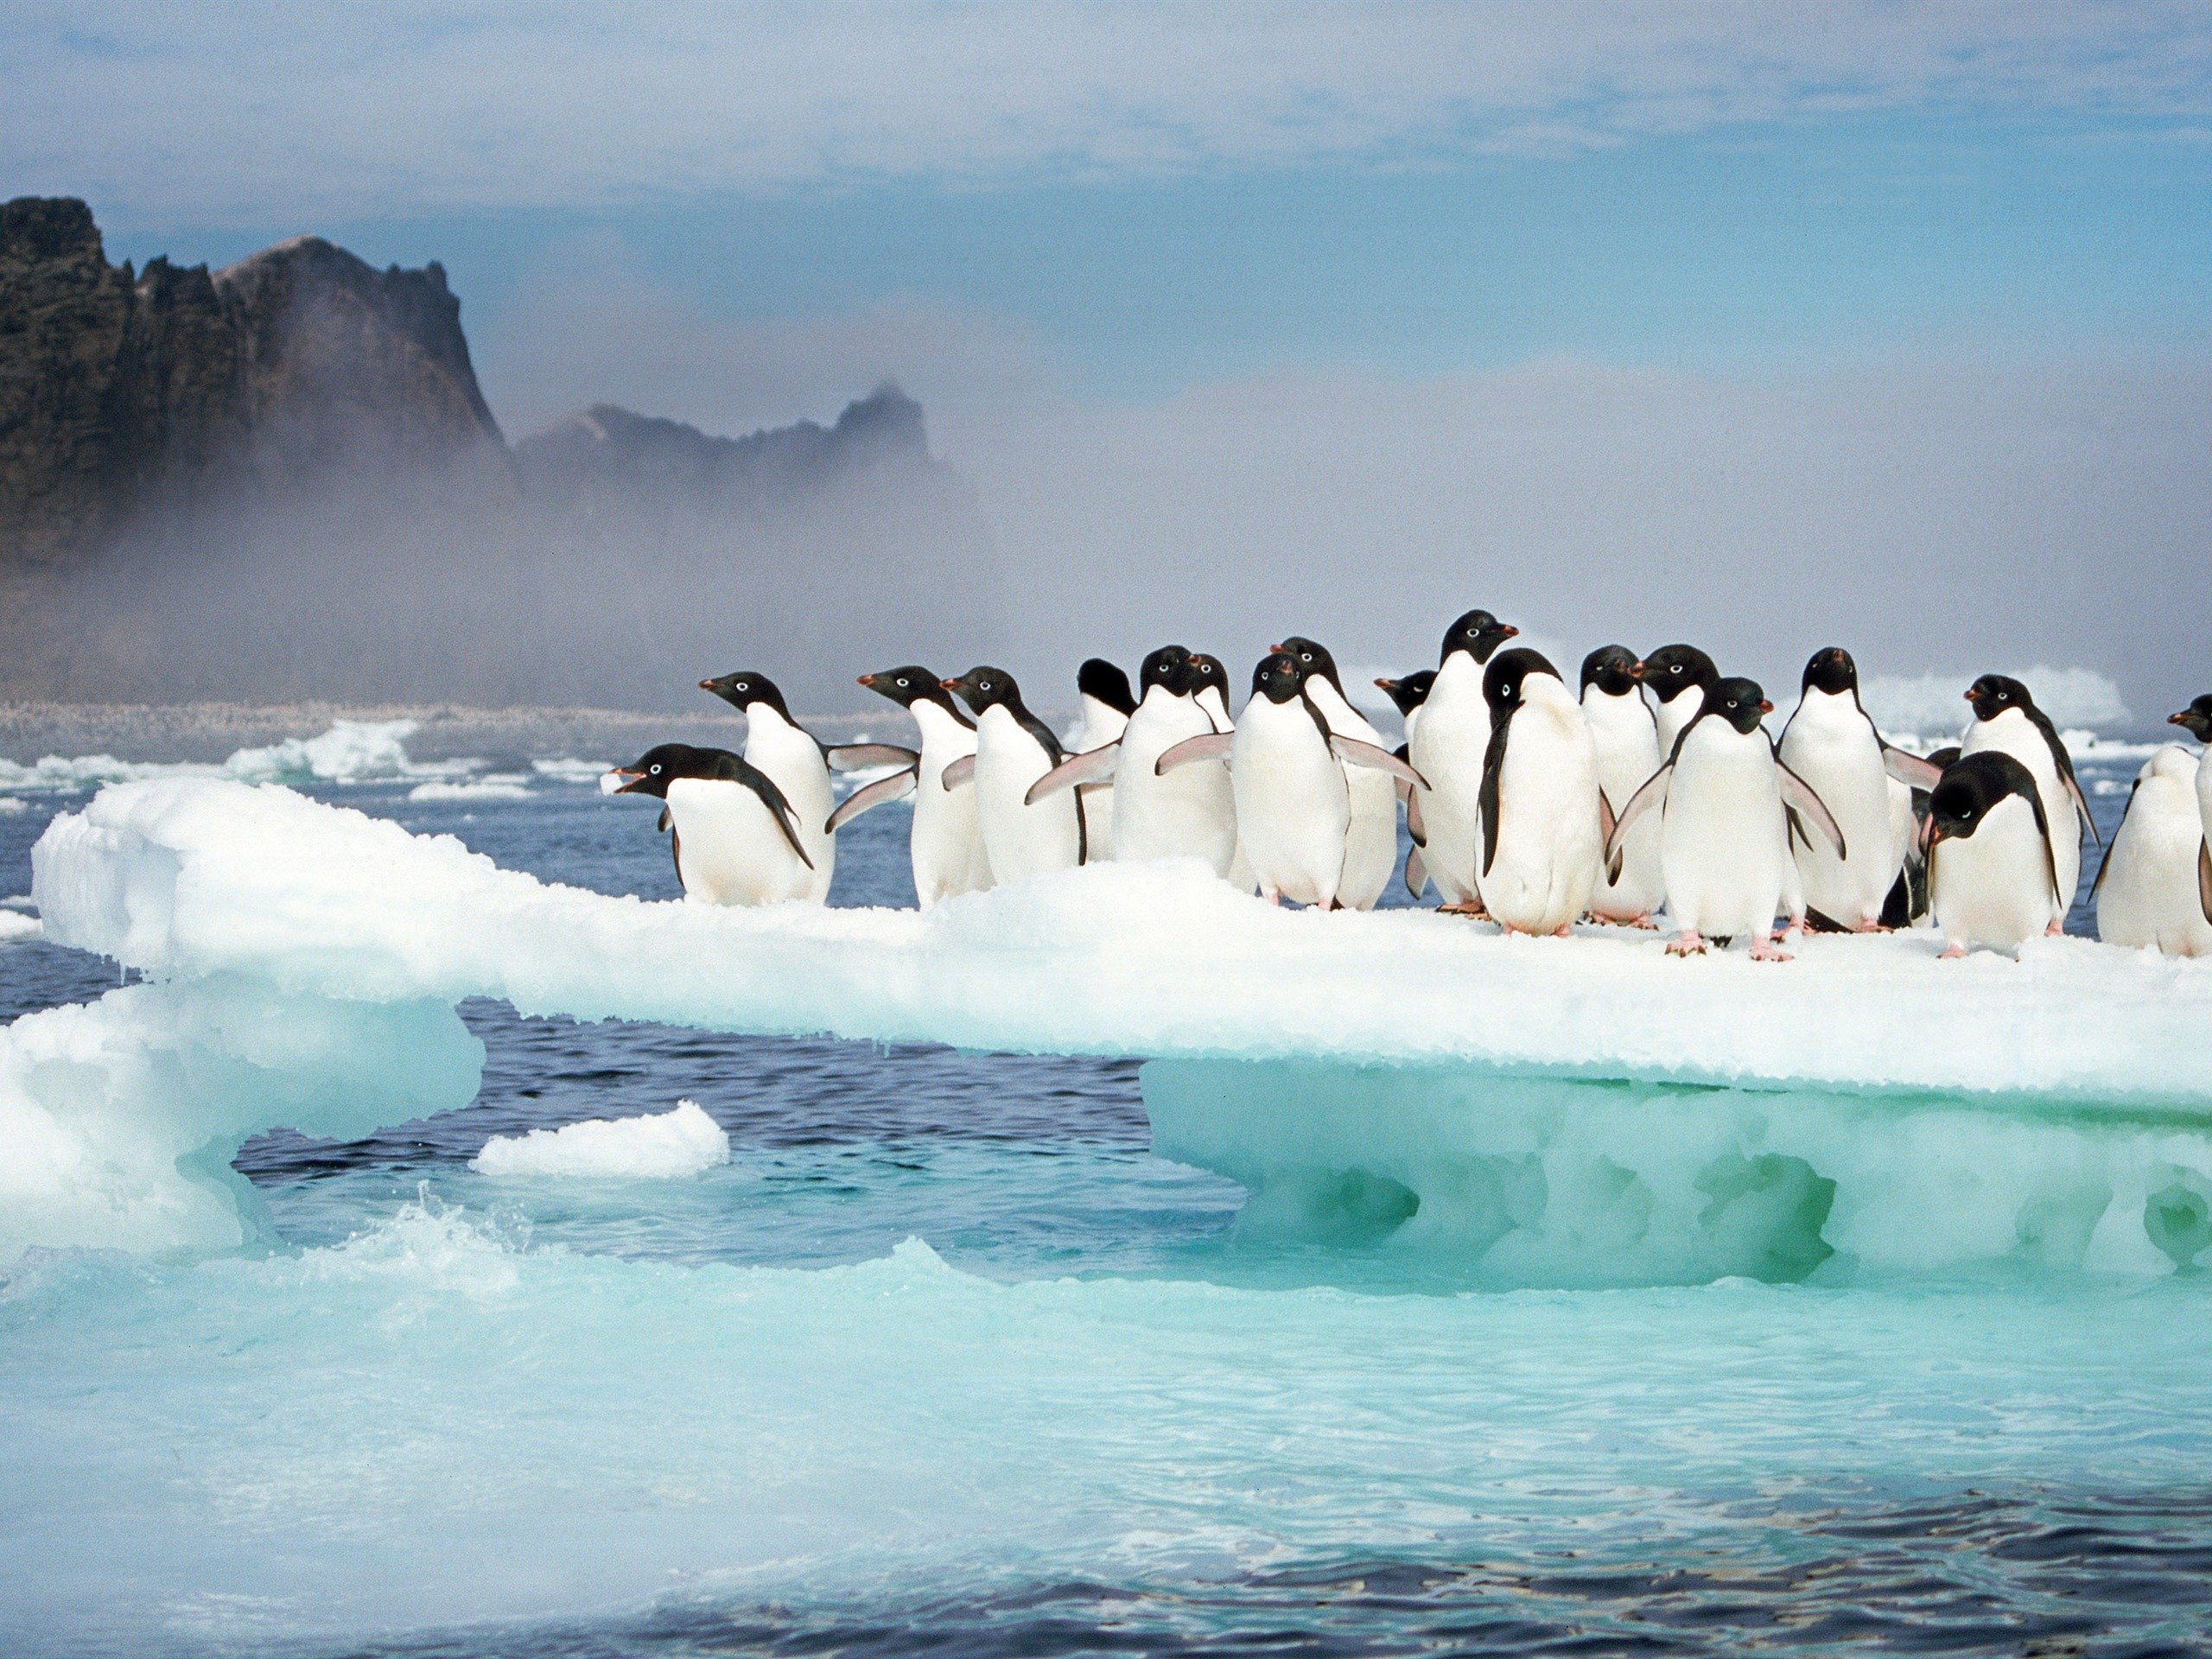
<point>240,113</point>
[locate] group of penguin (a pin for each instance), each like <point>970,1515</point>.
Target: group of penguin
<point>1528,804</point>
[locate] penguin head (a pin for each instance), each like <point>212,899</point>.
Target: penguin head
<point>1672,669</point>
<point>1409,693</point>
<point>1314,658</point>
<point>910,685</point>
<point>1969,790</point>
<point>1099,678</point>
<point>1739,701</point>
<point>983,687</point>
<point>1505,681</point>
<point>1478,633</point>
<point>651,773</point>
<point>1992,694</point>
<point>1203,672</point>
<point>742,688</point>
<point>1612,669</point>
<point>1166,667</point>
<point>1832,670</point>
<point>1278,677</point>
<point>2196,719</point>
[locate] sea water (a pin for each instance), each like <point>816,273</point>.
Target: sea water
<point>944,1356</point>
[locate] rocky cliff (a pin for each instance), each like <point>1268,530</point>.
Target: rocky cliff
<point>125,395</point>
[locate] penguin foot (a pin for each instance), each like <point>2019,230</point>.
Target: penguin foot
<point>1687,945</point>
<point>2056,929</point>
<point>1767,950</point>
<point>1562,931</point>
<point>1872,924</point>
<point>1951,952</point>
<point>1469,908</point>
<point>1643,921</point>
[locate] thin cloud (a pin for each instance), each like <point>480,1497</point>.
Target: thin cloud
<point>361,112</point>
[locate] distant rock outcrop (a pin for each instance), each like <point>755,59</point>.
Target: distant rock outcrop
<point>125,394</point>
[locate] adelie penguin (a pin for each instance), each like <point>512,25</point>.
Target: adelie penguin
<point>798,762</point>
<point>2148,894</point>
<point>1725,801</point>
<point>1013,749</point>
<point>2196,720</point>
<point>1104,691</point>
<point>1832,744</point>
<point>1628,752</point>
<point>945,846</point>
<point>735,838</point>
<point>2006,719</point>
<point>1447,749</point>
<point>1543,816</point>
<point>1993,871</point>
<point>1679,676</point>
<point>1372,854</point>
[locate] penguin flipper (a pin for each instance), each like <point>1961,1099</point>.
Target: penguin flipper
<point>1091,767</point>
<point>1606,816</point>
<point>1801,795</point>
<point>1416,873</point>
<point>1652,793</point>
<point>1909,769</point>
<point>1416,826</point>
<point>2205,880</point>
<point>731,769</point>
<point>959,772</point>
<point>667,821</point>
<point>853,757</point>
<point>1207,746</point>
<point>2081,805</point>
<point>1355,752</point>
<point>2105,864</point>
<point>1493,772</point>
<point>876,794</point>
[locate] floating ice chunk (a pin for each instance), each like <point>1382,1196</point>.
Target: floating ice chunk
<point>350,751</point>
<point>685,1142</point>
<point>16,927</point>
<point>14,803</point>
<point>499,786</point>
<point>565,769</point>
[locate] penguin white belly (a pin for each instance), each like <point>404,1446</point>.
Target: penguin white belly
<point>2148,895</point>
<point>1447,749</point>
<point>1628,753</point>
<point>1371,849</point>
<point>793,762</point>
<point>1672,718</point>
<point>1190,813</point>
<point>2017,735</point>
<point>729,848</point>
<point>1021,839</point>
<point>946,844</point>
<point>1721,852</point>
<point>1991,888</point>
<point>2203,795</point>
<point>1101,724</point>
<point>1830,744</point>
<point>1548,846</point>
<point>1294,811</point>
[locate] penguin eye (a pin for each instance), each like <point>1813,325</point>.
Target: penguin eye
<point>904,681</point>
<point>656,769</point>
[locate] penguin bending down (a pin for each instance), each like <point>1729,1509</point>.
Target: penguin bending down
<point>1447,749</point>
<point>1680,677</point>
<point>945,846</point>
<point>1372,852</point>
<point>1108,703</point>
<point>1013,749</point>
<point>2196,720</point>
<point>797,761</point>
<point>1832,743</point>
<point>735,838</point>
<point>1407,694</point>
<point>1544,819</point>
<point>2005,718</point>
<point>1725,801</point>
<point>1993,870</point>
<point>2147,892</point>
<point>1628,752</point>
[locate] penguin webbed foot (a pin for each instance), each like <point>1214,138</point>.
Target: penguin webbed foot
<point>1767,948</point>
<point>1952,953</point>
<point>1688,944</point>
<point>2056,929</point>
<point>1472,909</point>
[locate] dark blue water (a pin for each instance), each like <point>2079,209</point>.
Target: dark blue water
<point>739,1413</point>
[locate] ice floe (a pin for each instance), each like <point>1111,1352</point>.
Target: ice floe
<point>661,1147</point>
<point>350,751</point>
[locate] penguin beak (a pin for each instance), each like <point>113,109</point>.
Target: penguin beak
<point>867,680</point>
<point>630,781</point>
<point>949,685</point>
<point>2181,719</point>
<point>706,685</point>
<point>1969,696</point>
<point>1765,708</point>
<point>1273,649</point>
<point>1635,670</point>
<point>1930,833</point>
<point>1507,630</point>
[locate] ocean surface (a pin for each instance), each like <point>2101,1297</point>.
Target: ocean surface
<point>944,1359</point>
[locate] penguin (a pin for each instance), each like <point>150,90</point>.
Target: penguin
<point>1287,774</point>
<point>1992,868</point>
<point>735,837</point>
<point>1372,854</point>
<point>1543,816</point>
<point>797,761</point>
<point>1832,743</point>
<point>1447,749</point>
<point>945,846</point>
<point>1407,694</point>
<point>1108,703</point>
<point>1628,752</point>
<point>1013,749</point>
<point>1679,676</point>
<point>2196,720</point>
<point>1210,684</point>
<point>2006,717</point>
<point>2146,891</point>
<point>1724,799</point>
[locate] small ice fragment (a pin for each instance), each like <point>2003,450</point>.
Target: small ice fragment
<point>685,1142</point>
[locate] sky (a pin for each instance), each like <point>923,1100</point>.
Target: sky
<point>1899,315</point>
